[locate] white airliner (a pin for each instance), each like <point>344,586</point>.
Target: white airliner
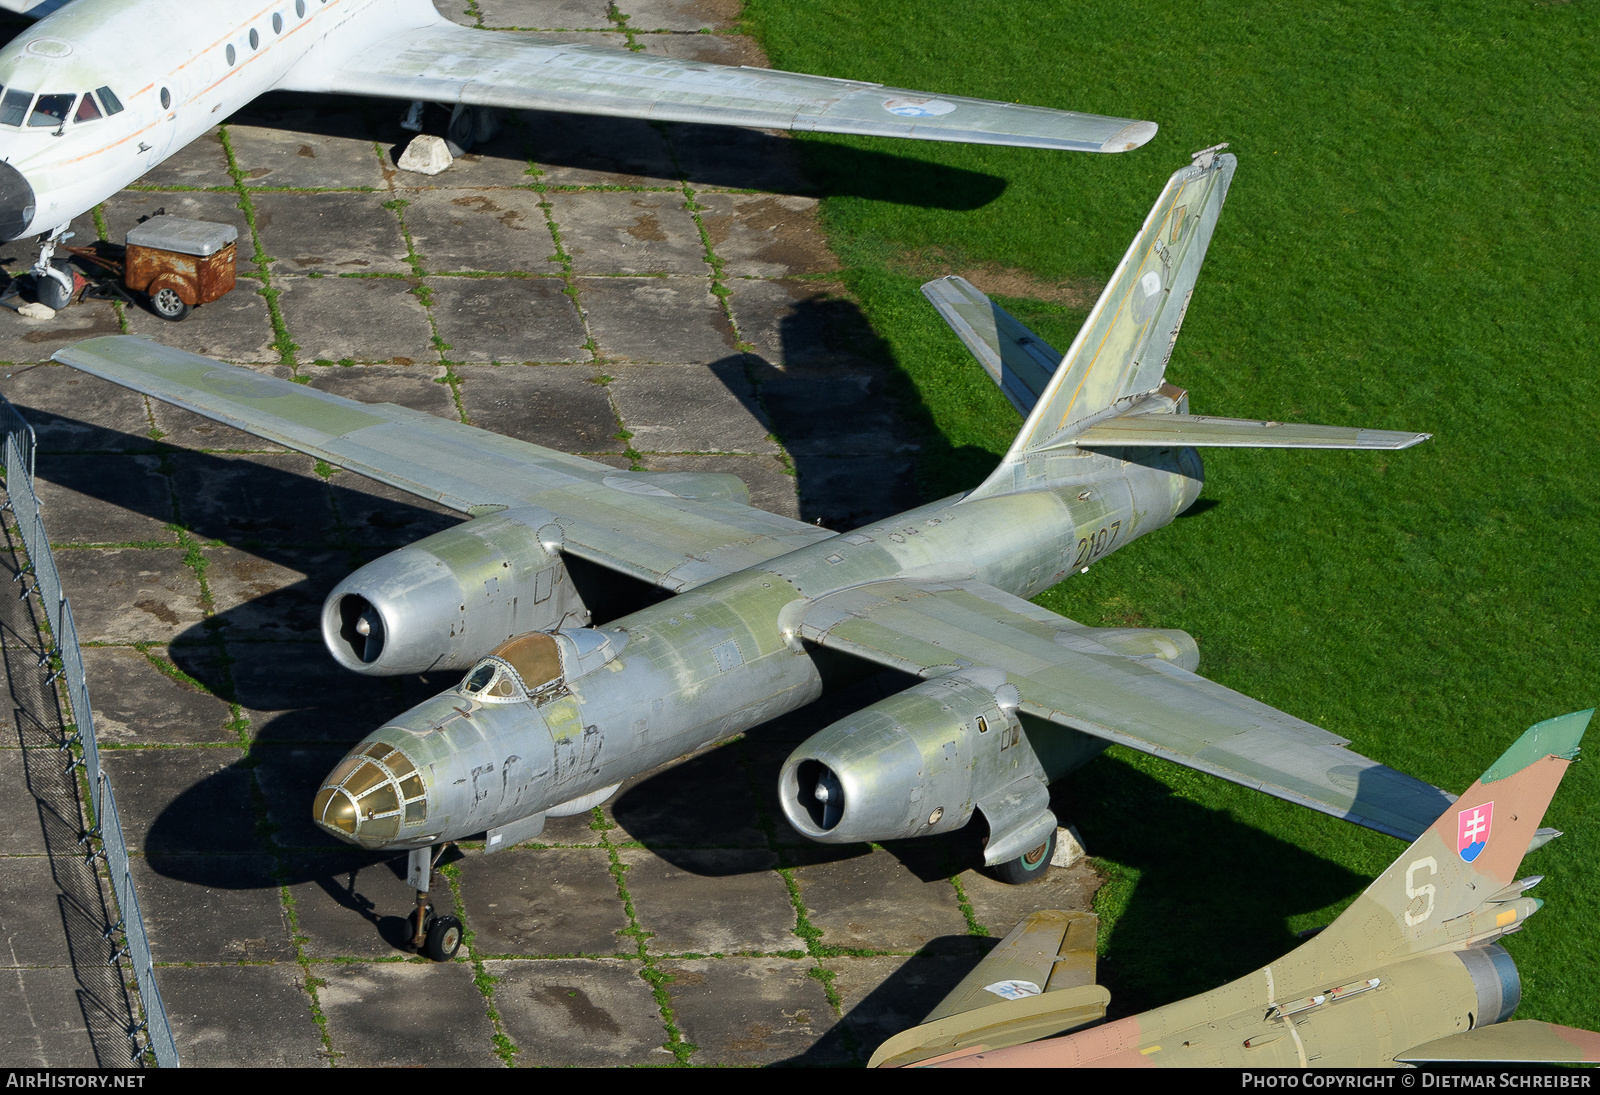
<point>98,92</point>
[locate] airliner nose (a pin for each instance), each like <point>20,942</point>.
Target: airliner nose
<point>370,795</point>
<point>16,203</point>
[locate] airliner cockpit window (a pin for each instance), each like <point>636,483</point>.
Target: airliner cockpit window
<point>87,110</point>
<point>109,100</point>
<point>14,107</point>
<point>51,111</point>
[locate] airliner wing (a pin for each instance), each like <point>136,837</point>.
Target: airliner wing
<point>446,63</point>
<point>673,530</point>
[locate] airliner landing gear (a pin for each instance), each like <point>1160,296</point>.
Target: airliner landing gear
<point>52,278</point>
<point>467,125</point>
<point>438,937</point>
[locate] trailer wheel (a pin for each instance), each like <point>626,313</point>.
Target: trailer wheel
<point>167,304</point>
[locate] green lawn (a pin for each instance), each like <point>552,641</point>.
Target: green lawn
<point>1410,243</point>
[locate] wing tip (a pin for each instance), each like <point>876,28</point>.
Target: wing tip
<point>1131,136</point>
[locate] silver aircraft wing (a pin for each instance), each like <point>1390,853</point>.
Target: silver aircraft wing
<point>1065,676</point>
<point>631,522</point>
<point>446,63</point>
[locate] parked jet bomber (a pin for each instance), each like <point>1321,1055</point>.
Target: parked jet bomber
<point>553,713</point>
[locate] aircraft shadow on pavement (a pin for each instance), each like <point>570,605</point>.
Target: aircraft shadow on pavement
<point>578,149</point>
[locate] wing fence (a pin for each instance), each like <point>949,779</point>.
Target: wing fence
<point>105,826</point>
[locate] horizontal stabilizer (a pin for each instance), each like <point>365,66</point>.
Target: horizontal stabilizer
<point>1192,430</point>
<point>1015,358</point>
<point>1522,1041</point>
<point>1039,981</point>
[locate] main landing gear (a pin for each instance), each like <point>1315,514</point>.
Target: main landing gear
<point>468,125</point>
<point>1030,866</point>
<point>438,937</point>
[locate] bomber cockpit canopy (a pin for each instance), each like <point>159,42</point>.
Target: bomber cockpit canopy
<point>52,109</point>
<point>538,663</point>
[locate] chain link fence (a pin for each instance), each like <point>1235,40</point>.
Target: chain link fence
<point>105,826</point>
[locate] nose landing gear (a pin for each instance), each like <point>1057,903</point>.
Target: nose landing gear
<point>438,937</point>
<point>52,278</point>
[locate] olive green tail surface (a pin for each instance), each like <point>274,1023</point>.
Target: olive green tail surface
<point>1439,891</point>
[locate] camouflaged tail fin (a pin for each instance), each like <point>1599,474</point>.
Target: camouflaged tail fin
<point>1457,885</point>
<point>1122,350</point>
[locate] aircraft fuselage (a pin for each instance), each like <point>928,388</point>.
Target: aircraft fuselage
<point>721,658</point>
<point>98,93</point>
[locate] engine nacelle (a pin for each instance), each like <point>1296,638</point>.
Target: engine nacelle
<point>922,761</point>
<point>914,764</point>
<point>447,600</point>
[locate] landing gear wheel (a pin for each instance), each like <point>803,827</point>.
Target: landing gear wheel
<point>51,293</point>
<point>462,132</point>
<point>1030,866</point>
<point>167,304</point>
<point>444,939</point>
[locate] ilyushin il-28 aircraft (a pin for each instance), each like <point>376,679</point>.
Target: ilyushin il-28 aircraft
<point>101,91</point>
<point>553,714</point>
<point>1411,973</point>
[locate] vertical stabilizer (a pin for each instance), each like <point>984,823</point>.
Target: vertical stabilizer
<point>1123,347</point>
<point>1457,885</point>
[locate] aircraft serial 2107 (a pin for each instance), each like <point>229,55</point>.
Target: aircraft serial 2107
<point>1411,973</point>
<point>551,716</point>
<point>101,91</point>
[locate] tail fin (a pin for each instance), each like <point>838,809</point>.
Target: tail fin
<point>1124,345</point>
<point>1456,886</point>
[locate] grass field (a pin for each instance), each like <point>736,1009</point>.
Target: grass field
<point>1410,242</point>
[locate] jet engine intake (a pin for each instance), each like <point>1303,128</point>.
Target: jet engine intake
<point>914,764</point>
<point>447,600</point>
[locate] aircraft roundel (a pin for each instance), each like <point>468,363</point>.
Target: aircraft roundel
<point>1472,830</point>
<point>918,108</point>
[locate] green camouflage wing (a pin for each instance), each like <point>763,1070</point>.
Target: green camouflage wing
<point>621,520</point>
<point>1066,676</point>
<point>446,63</point>
<point>1522,1041</point>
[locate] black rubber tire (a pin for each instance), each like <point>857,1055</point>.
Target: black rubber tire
<point>50,292</point>
<point>444,939</point>
<point>168,305</point>
<point>1028,867</point>
<point>462,132</point>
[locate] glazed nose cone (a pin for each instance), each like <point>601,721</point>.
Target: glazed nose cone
<point>373,797</point>
<point>16,203</point>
